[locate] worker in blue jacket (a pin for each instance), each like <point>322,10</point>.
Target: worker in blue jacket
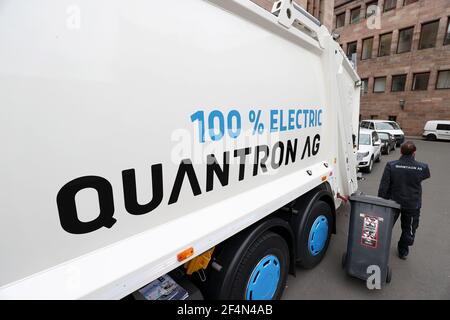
<point>402,182</point>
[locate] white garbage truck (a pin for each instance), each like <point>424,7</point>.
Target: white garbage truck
<point>139,138</point>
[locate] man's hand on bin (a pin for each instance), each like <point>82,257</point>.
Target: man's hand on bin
<point>343,198</point>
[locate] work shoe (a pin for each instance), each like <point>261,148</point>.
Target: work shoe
<point>402,254</point>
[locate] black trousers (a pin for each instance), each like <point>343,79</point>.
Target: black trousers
<point>410,222</point>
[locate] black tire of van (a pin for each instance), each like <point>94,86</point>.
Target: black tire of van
<point>267,244</point>
<point>306,259</point>
<point>379,158</point>
<point>369,168</point>
<point>431,137</point>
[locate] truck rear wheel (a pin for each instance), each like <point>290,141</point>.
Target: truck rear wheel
<point>263,271</point>
<point>315,237</point>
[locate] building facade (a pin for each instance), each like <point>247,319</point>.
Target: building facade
<point>402,53</point>
<point>321,9</point>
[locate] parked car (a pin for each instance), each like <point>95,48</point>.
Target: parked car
<point>437,130</point>
<point>388,142</point>
<point>385,126</point>
<point>369,150</point>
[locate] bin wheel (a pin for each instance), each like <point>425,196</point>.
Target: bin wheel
<point>389,275</point>
<point>344,260</point>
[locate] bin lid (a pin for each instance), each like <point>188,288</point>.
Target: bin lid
<point>375,200</point>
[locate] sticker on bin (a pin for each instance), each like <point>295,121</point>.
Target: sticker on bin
<point>369,237</point>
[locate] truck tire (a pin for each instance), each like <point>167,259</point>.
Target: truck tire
<point>431,137</point>
<point>263,270</point>
<point>315,237</point>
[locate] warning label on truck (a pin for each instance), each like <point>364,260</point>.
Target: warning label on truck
<point>369,237</point>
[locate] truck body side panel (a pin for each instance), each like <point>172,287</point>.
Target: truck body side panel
<point>105,89</point>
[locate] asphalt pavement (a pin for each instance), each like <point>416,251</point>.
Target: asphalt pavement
<point>426,273</point>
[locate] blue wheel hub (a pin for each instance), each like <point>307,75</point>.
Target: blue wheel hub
<point>318,235</point>
<point>263,282</point>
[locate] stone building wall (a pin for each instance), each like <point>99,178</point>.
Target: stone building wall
<point>419,106</point>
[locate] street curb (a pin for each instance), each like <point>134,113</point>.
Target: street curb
<point>414,137</point>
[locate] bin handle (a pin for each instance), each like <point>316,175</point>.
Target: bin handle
<point>343,198</point>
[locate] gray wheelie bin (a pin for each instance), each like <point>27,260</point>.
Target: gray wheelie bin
<point>369,236</point>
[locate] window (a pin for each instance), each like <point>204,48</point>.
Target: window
<point>447,35</point>
<point>398,83</point>
<point>340,20</point>
<point>443,81</point>
<point>409,2</point>
<point>364,139</point>
<point>385,126</point>
<point>374,137</point>
<point>379,85</point>
<point>371,9</point>
<point>421,81</point>
<point>428,35</point>
<point>364,125</point>
<point>355,15</point>
<point>389,5</point>
<point>365,86</point>
<point>395,125</point>
<point>443,127</point>
<point>393,118</point>
<point>367,49</point>
<point>405,38</point>
<point>385,45</point>
<point>351,48</point>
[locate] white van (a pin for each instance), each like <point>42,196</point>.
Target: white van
<point>437,130</point>
<point>391,127</point>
